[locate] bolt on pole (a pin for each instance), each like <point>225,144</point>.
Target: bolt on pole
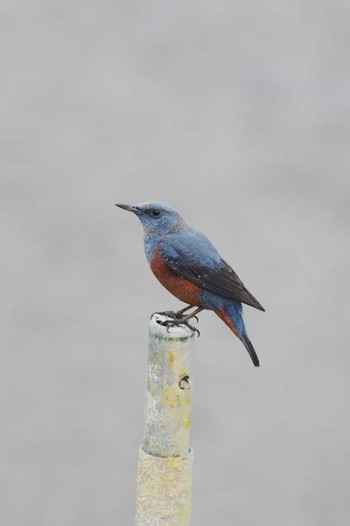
<point>164,473</point>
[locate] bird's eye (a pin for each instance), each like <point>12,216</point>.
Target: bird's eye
<point>155,212</point>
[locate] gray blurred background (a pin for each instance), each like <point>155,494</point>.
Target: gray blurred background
<point>237,114</point>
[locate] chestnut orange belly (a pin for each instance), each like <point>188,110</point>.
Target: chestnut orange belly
<point>182,288</point>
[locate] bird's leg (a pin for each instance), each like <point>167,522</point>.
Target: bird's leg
<point>191,315</point>
<point>183,321</point>
<point>178,318</point>
<point>167,313</point>
<point>179,313</point>
<point>173,314</point>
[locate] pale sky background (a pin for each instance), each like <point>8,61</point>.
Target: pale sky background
<point>237,114</point>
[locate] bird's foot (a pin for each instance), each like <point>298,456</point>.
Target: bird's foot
<point>175,315</point>
<point>179,321</point>
<point>168,313</point>
<point>194,329</point>
<point>179,316</point>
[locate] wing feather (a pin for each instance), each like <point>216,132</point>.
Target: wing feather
<point>214,274</point>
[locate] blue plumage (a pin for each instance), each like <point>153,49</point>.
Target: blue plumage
<point>187,263</point>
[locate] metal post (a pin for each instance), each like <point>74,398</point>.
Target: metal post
<point>165,459</point>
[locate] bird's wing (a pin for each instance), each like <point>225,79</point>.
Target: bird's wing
<point>193,257</point>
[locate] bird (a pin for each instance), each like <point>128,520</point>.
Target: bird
<point>189,266</point>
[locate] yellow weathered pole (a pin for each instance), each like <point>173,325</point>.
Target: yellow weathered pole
<point>165,459</point>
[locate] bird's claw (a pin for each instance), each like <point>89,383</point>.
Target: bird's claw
<point>167,313</point>
<point>174,315</point>
<point>194,329</point>
<point>176,322</point>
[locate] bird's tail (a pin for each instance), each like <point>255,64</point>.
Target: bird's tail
<point>249,346</point>
<point>232,316</point>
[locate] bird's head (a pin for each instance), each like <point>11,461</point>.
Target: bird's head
<point>156,218</point>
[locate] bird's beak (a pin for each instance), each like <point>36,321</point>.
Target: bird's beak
<point>129,208</point>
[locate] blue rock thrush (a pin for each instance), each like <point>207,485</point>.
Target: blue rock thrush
<point>190,267</point>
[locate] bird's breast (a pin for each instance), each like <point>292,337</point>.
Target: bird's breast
<point>180,287</point>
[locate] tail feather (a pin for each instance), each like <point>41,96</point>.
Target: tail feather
<point>249,346</point>
<point>236,324</point>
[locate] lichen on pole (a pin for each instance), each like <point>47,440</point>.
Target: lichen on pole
<point>165,458</point>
